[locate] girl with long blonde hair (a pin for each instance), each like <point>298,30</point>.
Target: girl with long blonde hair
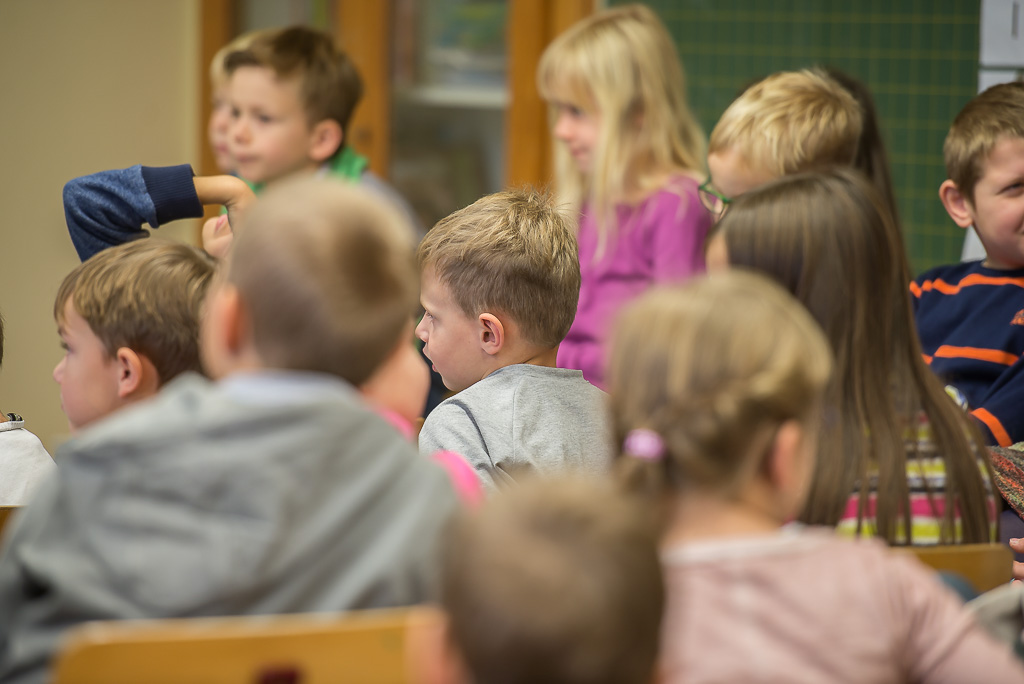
<point>629,156</point>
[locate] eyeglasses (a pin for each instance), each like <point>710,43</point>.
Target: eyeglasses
<point>713,201</point>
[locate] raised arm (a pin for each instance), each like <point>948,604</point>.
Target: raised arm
<point>109,208</point>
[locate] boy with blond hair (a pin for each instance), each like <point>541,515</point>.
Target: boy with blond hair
<point>555,581</point>
<point>273,488</point>
<point>24,463</point>
<point>128,320</point>
<point>970,316</point>
<point>788,122</point>
<point>500,280</point>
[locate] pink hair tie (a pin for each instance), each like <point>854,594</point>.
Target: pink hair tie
<point>644,444</point>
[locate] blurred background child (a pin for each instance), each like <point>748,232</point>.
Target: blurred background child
<point>23,460</point>
<point>553,581</point>
<point>717,389</point>
<point>787,122</point>
<point>629,157</point>
<point>898,458</point>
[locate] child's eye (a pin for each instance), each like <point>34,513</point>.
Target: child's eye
<point>235,113</point>
<point>263,118</point>
<point>64,346</point>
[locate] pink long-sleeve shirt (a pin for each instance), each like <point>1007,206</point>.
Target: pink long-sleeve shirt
<point>658,240</point>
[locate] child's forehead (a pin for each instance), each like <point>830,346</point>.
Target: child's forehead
<point>567,86</point>
<point>1006,156</point>
<point>262,82</point>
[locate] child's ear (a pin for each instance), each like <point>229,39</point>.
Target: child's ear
<point>324,140</point>
<point>957,206</point>
<point>492,333</point>
<point>234,320</point>
<point>430,655</point>
<point>789,468</point>
<point>137,376</point>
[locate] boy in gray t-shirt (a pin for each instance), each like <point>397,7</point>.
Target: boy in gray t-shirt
<point>500,280</point>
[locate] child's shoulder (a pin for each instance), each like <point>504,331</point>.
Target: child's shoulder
<point>958,273</point>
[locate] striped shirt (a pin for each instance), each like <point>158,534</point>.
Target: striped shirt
<point>926,479</point>
<point>970,320</point>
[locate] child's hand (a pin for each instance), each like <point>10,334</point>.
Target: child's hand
<point>217,236</point>
<point>229,191</point>
<point>236,197</point>
<point>1017,545</point>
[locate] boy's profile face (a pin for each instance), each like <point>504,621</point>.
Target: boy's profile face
<point>450,337</point>
<point>997,212</point>
<point>732,175</point>
<point>218,128</point>
<point>87,374</point>
<point>270,136</point>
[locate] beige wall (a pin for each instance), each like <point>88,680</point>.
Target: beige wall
<point>84,86</point>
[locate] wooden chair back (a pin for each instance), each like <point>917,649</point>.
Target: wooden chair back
<point>985,566</point>
<point>365,647</point>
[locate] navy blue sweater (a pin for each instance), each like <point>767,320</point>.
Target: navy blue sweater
<point>108,208</point>
<point>971,323</point>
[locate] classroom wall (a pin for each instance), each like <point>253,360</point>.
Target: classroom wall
<point>86,86</point>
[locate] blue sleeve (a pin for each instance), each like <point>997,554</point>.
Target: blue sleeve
<point>108,208</point>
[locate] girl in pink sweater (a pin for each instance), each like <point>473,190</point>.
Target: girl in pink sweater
<point>717,389</point>
<point>629,156</point>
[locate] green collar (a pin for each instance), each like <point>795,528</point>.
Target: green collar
<point>348,165</point>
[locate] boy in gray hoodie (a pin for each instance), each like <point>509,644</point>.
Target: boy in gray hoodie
<point>271,488</point>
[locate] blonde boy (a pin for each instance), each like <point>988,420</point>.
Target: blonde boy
<point>788,122</point>
<point>500,281</point>
<point>273,489</point>
<point>970,316</point>
<point>555,581</point>
<point>128,320</point>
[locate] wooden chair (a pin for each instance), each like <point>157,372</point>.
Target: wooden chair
<point>985,566</point>
<point>365,647</point>
<point>5,515</point>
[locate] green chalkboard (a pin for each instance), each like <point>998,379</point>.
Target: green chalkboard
<point>919,57</point>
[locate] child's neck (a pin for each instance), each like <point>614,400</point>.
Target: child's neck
<point>304,171</point>
<point>698,515</point>
<point>531,356</point>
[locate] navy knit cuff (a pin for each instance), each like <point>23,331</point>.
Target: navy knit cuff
<point>172,192</point>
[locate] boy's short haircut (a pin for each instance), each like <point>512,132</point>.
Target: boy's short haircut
<point>996,113</point>
<point>328,278</point>
<point>330,84</point>
<point>218,71</point>
<point>145,295</point>
<point>511,253</point>
<point>792,121</point>
<point>555,581</point>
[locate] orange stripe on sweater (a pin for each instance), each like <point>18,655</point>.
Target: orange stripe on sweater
<point>940,285</point>
<point>990,355</point>
<point>994,426</point>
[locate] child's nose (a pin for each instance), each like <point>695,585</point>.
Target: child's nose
<point>58,371</point>
<point>563,127</point>
<point>239,130</point>
<point>421,330</point>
